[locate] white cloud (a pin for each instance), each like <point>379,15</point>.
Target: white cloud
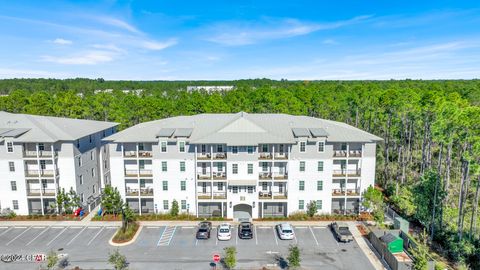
<point>156,45</point>
<point>61,41</point>
<point>329,42</point>
<point>86,58</point>
<point>109,47</point>
<point>119,23</point>
<point>246,33</point>
<point>28,73</point>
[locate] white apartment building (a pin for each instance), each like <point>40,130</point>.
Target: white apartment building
<point>242,165</point>
<point>40,155</point>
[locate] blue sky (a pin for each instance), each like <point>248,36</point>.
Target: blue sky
<point>236,39</point>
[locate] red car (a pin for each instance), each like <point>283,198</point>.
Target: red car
<point>77,212</point>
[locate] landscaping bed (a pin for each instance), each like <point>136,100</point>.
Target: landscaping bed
<point>305,217</point>
<point>127,235</point>
<point>53,217</point>
<point>155,217</point>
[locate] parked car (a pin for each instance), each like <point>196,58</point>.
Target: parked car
<point>341,232</point>
<point>224,232</point>
<point>245,230</point>
<point>285,231</point>
<point>203,231</point>
<point>78,212</point>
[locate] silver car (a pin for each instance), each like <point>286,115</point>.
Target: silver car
<point>285,231</point>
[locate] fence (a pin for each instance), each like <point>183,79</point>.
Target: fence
<point>389,258</point>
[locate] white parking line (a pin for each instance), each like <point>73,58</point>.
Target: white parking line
<point>152,227</point>
<point>188,227</point>
<point>20,227</point>
<point>256,236</point>
<point>64,229</point>
<point>196,242</point>
<point>42,227</point>
<point>18,236</point>
<point>171,237</point>
<point>264,227</point>
<point>91,240</point>
<point>94,227</point>
<point>236,239</point>
<point>161,236</point>
<point>76,227</point>
<point>3,227</point>
<point>320,227</point>
<point>38,235</point>
<point>57,227</point>
<point>314,237</point>
<point>111,227</point>
<point>275,236</point>
<point>76,235</point>
<point>6,231</point>
<point>301,228</point>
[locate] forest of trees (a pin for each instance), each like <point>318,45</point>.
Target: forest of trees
<point>428,164</point>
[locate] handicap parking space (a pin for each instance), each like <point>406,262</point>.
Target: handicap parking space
<point>149,236</point>
<point>184,237</point>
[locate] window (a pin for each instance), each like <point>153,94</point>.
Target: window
<point>250,149</point>
<point>250,189</point>
<point>165,185</point>
<point>92,155</point>
<point>319,205</point>
<point>80,179</point>
<point>234,168</point>
<point>13,184</point>
<point>264,167</point>
<point>320,166</point>
<point>234,149</point>
<point>344,146</point>
<point>164,166</point>
<point>303,146</point>
<point>183,185</point>
<point>182,166</point>
<point>93,172</point>
<point>302,166</point>
<point>220,186</point>
<point>301,185</point>
<point>141,147</point>
<point>165,204</point>
<point>78,143</point>
<point>264,148</point>
<point>11,166</point>
<point>264,186</point>
<point>90,138</point>
<point>235,189</point>
<point>79,160</point>
<point>82,198</point>
<point>250,168</point>
<point>141,164</point>
<point>220,167</point>
<point>320,185</point>
<point>219,148</point>
<point>203,148</point>
<point>43,164</point>
<point>163,147</point>
<point>301,205</point>
<point>93,189</point>
<point>142,183</point>
<point>184,204</point>
<point>321,147</point>
<point>181,147</point>
<point>15,204</point>
<point>44,183</point>
<point>9,146</point>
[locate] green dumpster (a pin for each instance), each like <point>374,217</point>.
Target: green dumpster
<point>393,243</point>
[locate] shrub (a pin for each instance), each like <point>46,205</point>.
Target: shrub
<point>293,257</point>
<point>126,235</point>
<point>174,211</point>
<point>11,215</point>
<point>118,260</point>
<point>311,208</point>
<point>230,258</point>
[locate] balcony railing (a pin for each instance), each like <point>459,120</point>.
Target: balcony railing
<point>355,153</point>
<point>145,172</point>
<point>338,192</point>
<point>33,173</point>
<point>265,176</point>
<point>131,191</point>
<point>146,191</point>
<point>204,195</point>
<point>131,172</point>
<point>204,156</point>
<point>353,191</point>
<point>263,195</point>
<point>220,155</point>
<point>219,195</point>
<point>41,153</point>
<point>347,172</point>
<point>265,155</point>
<point>37,191</point>
<point>130,154</point>
<point>145,154</point>
<point>219,175</point>
<point>280,176</point>
<point>340,153</point>
<point>281,155</point>
<point>202,176</point>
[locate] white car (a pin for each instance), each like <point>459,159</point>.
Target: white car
<point>224,232</point>
<point>285,231</point>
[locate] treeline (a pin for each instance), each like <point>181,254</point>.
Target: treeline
<point>428,163</point>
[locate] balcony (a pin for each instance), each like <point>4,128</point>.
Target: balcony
<point>355,153</point>
<point>145,172</point>
<point>130,154</point>
<point>204,156</point>
<point>145,154</point>
<point>265,176</point>
<point>338,192</point>
<point>146,191</point>
<point>36,173</point>
<point>281,155</point>
<point>220,155</point>
<point>41,153</point>
<point>131,173</point>
<point>339,153</point>
<point>131,191</point>
<point>202,176</point>
<point>265,156</point>
<point>219,195</point>
<point>342,173</point>
<point>219,175</point>
<point>263,195</point>
<point>37,192</point>
<point>353,192</point>
<point>280,176</point>
<point>204,195</point>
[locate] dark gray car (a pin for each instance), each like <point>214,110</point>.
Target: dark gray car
<point>203,231</point>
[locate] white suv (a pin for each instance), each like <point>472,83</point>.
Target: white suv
<point>224,232</point>
<point>285,231</point>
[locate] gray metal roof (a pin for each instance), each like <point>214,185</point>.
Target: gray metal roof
<point>318,132</point>
<point>244,129</point>
<point>165,132</point>
<point>35,128</point>
<point>183,132</point>
<point>300,132</point>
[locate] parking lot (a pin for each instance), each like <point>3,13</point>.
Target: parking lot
<point>175,247</point>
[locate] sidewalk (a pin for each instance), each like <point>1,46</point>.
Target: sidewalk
<point>367,248</point>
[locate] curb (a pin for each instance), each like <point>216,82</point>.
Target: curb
<point>125,243</point>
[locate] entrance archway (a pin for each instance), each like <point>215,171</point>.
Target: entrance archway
<point>242,211</point>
